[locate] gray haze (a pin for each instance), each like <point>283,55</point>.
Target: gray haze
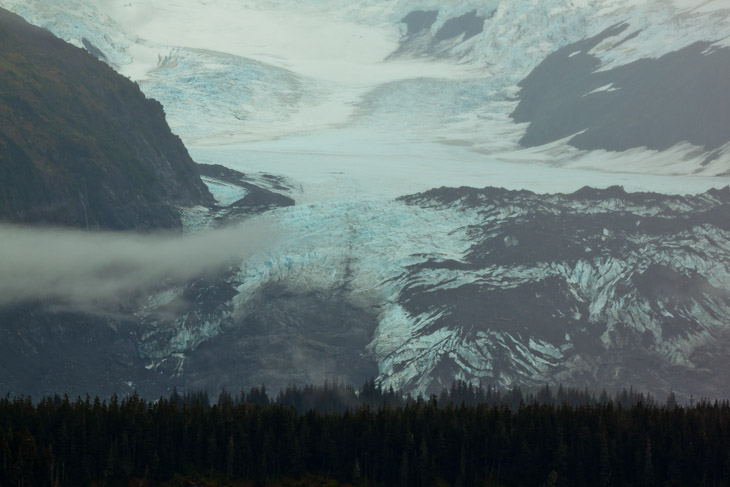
<point>85,269</point>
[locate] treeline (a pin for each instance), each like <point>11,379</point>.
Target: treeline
<point>335,397</point>
<point>249,439</point>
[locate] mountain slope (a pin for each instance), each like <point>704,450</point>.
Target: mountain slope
<point>653,103</point>
<point>353,106</point>
<point>81,145</point>
<point>429,70</point>
<point>76,330</point>
<point>594,288</point>
<point>597,288</point>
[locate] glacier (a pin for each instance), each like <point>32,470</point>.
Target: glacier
<point>270,70</point>
<point>360,118</point>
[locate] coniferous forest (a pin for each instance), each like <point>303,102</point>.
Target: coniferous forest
<point>334,435</point>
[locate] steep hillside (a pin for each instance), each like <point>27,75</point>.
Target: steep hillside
<point>597,288</point>
<point>78,327</point>
<point>653,103</point>
<point>82,146</point>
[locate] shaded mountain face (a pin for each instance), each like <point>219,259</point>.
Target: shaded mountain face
<point>81,146</point>
<point>421,41</point>
<point>653,103</point>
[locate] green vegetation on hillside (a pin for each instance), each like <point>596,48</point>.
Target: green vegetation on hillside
<point>79,144</point>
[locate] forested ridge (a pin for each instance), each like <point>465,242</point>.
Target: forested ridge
<point>251,439</point>
<point>82,146</point>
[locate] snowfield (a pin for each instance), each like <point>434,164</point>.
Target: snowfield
<point>233,71</point>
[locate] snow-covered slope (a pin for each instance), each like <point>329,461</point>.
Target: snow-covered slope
<point>229,71</point>
<point>598,288</point>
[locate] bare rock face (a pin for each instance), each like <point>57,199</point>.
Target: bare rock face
<point>598,288</point>
<point>653,103</point>
<point>81,146</point>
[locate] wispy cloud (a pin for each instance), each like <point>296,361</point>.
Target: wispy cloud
<point>84,270</point>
